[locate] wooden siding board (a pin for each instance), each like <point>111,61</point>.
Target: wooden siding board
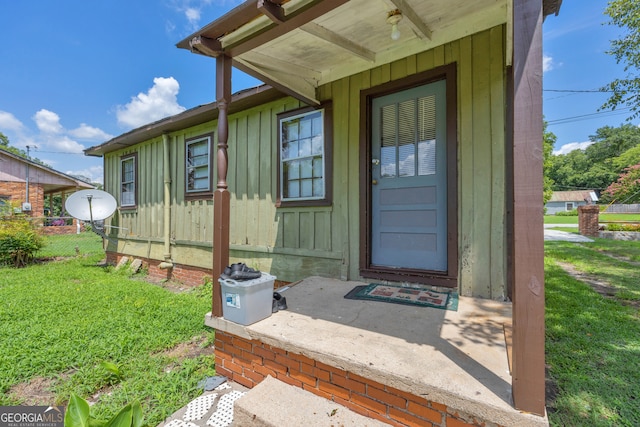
<point>266,185</point>
<point>424,61</point>
<point>349,245</point>
<point>285,232</point>
<point>242,215</point>
<point>232,182</point>
<point>307,230</point>
<point>498,205</point>
<point>342,114</point>
<point>465,126</point>
<point>253,178</point>
<point>482,191</point>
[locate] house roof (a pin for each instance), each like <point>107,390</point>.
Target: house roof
<point>574,196</point>
<point>201,114</point>
<point>299,45</point>
<point>551,7</point>
<point>338,38</point>
<point>58,181</point>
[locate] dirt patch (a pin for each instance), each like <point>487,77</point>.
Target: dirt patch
<point>187,350</point>
<point>551,391</point>
<point>620,258</point>
<point>170,285</point>
<point>603,288</point>
<point>37,391</point>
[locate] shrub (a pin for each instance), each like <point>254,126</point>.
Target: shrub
<point>19,241</point>
<point>623,227</point>
<point>573,212</point>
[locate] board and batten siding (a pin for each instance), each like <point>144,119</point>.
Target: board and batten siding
<point>293,243</point>
<point>481,154</point>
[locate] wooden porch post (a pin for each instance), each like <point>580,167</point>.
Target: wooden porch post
<point>221,197</point>
<point>528,241</point>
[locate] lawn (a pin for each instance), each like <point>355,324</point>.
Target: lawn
<point>557,219</point>
<point>593,333</point>
<point>75,326</point>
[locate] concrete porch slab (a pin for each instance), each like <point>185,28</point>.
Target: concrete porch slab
<point>457,358</point>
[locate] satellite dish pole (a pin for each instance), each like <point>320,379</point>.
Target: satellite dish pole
<point>105,206</point>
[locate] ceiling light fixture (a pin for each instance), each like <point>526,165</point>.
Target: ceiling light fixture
<point>393,17</point>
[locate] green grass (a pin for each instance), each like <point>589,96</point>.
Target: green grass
<point>593,342</point>
<point>554,219</point>
<point>68,245</point>
<point>60,320</point>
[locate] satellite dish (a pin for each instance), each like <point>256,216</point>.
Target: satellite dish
<point>91,205</point>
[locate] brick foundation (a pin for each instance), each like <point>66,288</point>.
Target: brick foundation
<point>60,229</point>
<point>248,362</point>
<point>588,220</point>
<point>185,274</point>
<point>16,191</point>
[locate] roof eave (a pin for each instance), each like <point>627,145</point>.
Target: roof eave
<point>201,114</point>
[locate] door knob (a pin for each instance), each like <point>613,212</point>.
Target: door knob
<point>374,182</point>
<point>375,161</point>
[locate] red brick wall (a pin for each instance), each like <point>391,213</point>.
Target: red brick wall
<point>588,218</point>
<point>60,229</point>
<point>248,362</point>
<point>185,274</point>
<point>17,193</point>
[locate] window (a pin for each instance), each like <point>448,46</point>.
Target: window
<point>198,165</point>
<point>5,205</point>
<point>569,206</point>
<point>304,161</point>
<point>128,178</point>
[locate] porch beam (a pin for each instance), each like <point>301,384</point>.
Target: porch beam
<point>221,197</point>
<point>273,11</point>
<point>300,86</point>
<point>296,19</point>
<point>327,35</point>
<point>528,243</point>
<point>206,46</point>
<point>415,22</point>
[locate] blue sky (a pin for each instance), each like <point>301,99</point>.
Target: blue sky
<point>74,74</point>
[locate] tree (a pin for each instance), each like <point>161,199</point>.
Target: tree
<point>626,15</point>
<point>548,141</point>
<point>596,167</point>
<point>4,144</point>
<point>627,188</point>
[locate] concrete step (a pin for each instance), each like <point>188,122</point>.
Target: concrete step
<point>273,403</point>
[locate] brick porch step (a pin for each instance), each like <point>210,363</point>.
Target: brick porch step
<point>272,403</point>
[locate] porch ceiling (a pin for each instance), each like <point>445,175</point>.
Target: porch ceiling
<point>298,45</point>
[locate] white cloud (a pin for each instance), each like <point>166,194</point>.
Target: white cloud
<point>89,133</point>
<point>48,122</point>
<point>94,173</point>
<point>193,15</point>
<point>9,122</point>
<point>62,144</point>
<point>547,63</point>
<point>159,102</point>
<point>567,148</point>
<point>192,11</point>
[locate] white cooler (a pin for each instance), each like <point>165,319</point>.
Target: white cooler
<point>247,301</point>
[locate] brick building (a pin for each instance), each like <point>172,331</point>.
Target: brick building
<point>31,186</point>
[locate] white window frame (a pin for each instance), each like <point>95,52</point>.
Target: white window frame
<point>190,168</point>
<point>133,158</point>
<point>317,172</point>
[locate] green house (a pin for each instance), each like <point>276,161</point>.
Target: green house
<point>394,141</point>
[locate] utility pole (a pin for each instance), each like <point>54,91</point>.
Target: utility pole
<point>27,177</point>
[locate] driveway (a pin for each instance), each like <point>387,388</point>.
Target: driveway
<point>551,234</point>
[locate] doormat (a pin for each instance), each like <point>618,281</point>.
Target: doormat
<point>447,300</point>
